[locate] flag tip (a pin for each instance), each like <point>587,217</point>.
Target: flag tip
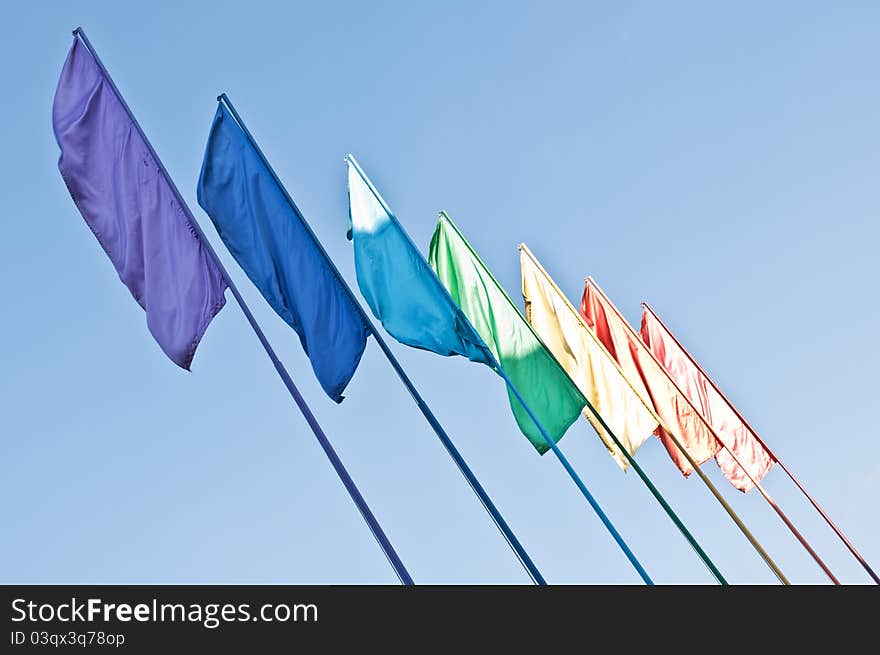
<point>76,30</point>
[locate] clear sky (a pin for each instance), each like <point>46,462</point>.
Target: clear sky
<point>719,161</point>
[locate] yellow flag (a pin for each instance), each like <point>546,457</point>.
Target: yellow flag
<point>588,364</point>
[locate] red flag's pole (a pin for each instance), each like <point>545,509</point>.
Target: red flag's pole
<point>772,455</point>
<point>711,487</point>
<point>767,497</point>
<point>715,434</point>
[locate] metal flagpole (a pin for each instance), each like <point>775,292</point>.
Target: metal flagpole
<point>757,484</point>
<point>638,469</point>
<point>772,455</point>
<point>712,488</point>
<point>556,451</point>
<point>575,477</point>
<point>350,486</point>
<point>465,470</point>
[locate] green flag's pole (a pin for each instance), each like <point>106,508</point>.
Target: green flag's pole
<point>638,469</point>
<point>547,438</point>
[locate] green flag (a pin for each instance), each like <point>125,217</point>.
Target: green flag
<point>543,384</point>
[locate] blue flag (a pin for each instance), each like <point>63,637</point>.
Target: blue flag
<point>396,281</point>
<point>269,239</point>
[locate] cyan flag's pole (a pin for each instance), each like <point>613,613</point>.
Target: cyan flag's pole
<point>497,367</point>
<point>350,486</point>
<point>574,476</point>
<point>475,485</point>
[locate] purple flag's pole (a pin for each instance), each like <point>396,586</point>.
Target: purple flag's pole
<point>772,455</point>
<point>350,486</point>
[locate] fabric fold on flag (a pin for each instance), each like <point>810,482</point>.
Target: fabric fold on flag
<point>543,383</point>
<point>125,199</point>
<point>586,361</point>
<point>397,283</point>
<point>713,407</point>
<point>269,239</point>
<point>650,380</point>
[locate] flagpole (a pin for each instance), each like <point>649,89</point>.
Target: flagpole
<point>755,482</point>
<point>514,543</point>
<point>575,477</point>
<point>346,479</point>
<point>712,488</point>
<point>636,467</point>
<point>563,460</point>
<point>556,451</point>
<point>772,455</point>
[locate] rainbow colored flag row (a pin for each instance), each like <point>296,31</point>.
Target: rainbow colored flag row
<point>557,362</point>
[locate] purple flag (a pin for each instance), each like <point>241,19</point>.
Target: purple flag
<point>128,203</point>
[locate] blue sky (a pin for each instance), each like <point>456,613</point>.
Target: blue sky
<point>720,162</point>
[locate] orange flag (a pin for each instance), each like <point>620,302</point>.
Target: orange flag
<point>713,406</point>
<point>650,379</point>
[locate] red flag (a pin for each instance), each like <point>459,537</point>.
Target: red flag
<point>651,381</point>
<point>712,405</point>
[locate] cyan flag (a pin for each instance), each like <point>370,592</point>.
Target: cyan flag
<point>396,281</point>
<point>270,240</point>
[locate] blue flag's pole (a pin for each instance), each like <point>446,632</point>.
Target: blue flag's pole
<point>465,470</point>
<point>350,486</point>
